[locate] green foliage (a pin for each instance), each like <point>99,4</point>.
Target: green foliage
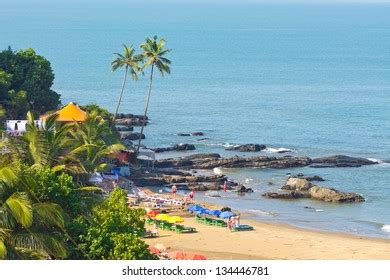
<point>113,230</point>
<point>28,228</point>
<point>25,83</point>
<point>100,111</point>
<point>57,188</point>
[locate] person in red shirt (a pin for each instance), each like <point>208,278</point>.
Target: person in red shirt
<point>225,186</point>
<point>191,195</point>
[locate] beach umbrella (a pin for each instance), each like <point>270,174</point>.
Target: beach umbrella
<point>154,250</point>
<point>179,255</point>
<point>175,219</point>
<point>199,257</point>
<point>226,215</point>
<point>160,247</point>
<point>152,213</point>
<point>195,208</point>
<point>162,217</point>
<point>202,211</point>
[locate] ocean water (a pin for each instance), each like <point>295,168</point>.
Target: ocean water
<point>312,78</point>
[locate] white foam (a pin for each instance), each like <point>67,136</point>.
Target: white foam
<point>247,180</point>
<point>386,228</point>
<point>218,171</point>
<point>319,210</point>
<point>376,160</point>
<point>263,213</point>
<point>277,150</point>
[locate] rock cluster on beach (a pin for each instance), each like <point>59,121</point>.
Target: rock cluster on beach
<point>210,161</point>
<point>302,188</point>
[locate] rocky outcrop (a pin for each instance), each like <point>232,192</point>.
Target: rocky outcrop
<point>204,187</point>
<point>177,147</point>
<point>131,135</point>
<point>124,128</point>
<point>184,134</point>
<point>246,148</point>
<point>340,161</point>
<point>309,178</point>
<point>333,195</point>
<point>286,195</point>
<point>131,121</point>
<point>297,184</point>
<point>210,161</point>
<point>243,189</point>
<point>302,188</point>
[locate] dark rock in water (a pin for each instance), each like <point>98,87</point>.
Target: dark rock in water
<point>243,189</point>
<point>131,135</point>
<point>224,209</point>
<point>340,161</point>
<point>131,122</point>
<point>302,188</point>
<point>309,178</point>
<point>286,195</point>
<point>124,128</point>
<point>270,183</point>
<point>246,148</point>
<point>130,116</point>
<point>198,133</point>
<point>177,147</point>
<point>183,134</point>
<point>203,139</point>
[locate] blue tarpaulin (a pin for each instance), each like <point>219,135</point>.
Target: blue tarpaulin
<point>226,215</point>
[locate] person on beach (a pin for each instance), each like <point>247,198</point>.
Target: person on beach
<point>230,223</point>
<point>185,199</point>
<point>225,186</point>
<point>237,221</point>
<point>174,190</point>
<point>192,196</point>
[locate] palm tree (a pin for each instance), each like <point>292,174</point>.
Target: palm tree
<point>28,229</point>
<point>130,61</point>
<point>90,145</point>
<point>153,54</point>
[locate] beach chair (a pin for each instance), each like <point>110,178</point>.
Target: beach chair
<point>150,234</point>
<point>199,219</point>
<point>243,228</point>
<point>165,225</point>
<point>149,221</point>
<point>182,229</point>
<point>208,221</point>
<point>219,223</point>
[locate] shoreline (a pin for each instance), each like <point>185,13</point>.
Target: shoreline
<point>272,241</point>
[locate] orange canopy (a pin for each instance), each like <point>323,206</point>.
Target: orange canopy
<point>70,113</point>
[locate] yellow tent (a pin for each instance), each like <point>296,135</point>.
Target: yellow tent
<point>70,113</point>
<point>175,219</point>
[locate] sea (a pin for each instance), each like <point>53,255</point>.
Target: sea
<point>313,78</point>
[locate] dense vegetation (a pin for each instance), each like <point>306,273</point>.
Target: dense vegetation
<point>25,83</point>
<point>48,209</point>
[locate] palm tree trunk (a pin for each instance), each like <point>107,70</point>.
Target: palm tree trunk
<point>120,96</point>
<point>146,109</point>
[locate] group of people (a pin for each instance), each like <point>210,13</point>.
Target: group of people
<point>187,198</point>
<point>233,222</point>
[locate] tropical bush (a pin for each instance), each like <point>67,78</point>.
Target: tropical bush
<point>113,230</point>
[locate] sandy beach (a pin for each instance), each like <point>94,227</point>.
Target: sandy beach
<point>271,241</point>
